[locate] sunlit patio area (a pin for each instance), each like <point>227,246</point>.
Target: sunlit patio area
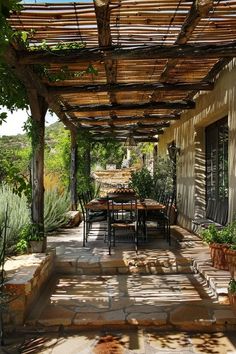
<point>168,286</point>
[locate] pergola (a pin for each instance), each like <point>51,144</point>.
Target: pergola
<point>143,63</point>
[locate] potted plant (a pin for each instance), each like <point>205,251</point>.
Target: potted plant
<point>219,241</point>
<point>230,256</point>
<point>232,293</point>
<point>31,239</point>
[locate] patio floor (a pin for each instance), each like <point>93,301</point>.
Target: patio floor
<point>156,287</point>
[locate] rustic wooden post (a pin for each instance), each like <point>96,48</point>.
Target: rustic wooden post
<point>73,169</point>
<point>87,157</point>
<point>155,157</point>
<point>38,107</point>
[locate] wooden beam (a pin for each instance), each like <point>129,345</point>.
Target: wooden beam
<point>113,87</point>
<point>137,139</point>
<point>103,22</point>
<point>121,128</point>
<point>103,12</point>
<point>32,82</point>
<point>131,106</point>
<point>210,76</point>
<point>190,51</point>
<point>120,121</point>
<point>198,10</point>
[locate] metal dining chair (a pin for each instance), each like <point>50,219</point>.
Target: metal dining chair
<point>89,216</point>
<point>122,220</point>
<point>160,219</point>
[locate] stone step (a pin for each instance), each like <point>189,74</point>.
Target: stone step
<point>124,260</point>
<point>165,301</point>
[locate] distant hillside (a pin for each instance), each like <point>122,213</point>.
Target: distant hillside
<point>21,140</point>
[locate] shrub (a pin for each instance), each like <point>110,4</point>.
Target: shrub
<point>224,235</point>
<point>142,183</point>
<point>56,206</point>
<point>18,213</point>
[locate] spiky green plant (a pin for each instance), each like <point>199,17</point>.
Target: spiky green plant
<point>56,206</point>
<point>18,213</point>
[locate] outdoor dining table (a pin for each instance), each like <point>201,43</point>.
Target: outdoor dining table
<point>101,204</point>
<point>146,204</point>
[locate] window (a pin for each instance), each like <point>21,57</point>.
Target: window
<point>217,171</point>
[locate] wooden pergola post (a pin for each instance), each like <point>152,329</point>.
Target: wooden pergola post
<point>73,169</point>
<point>38,107</point>
<point>87,157</point>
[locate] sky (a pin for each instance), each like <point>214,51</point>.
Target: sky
<point>15,121</point>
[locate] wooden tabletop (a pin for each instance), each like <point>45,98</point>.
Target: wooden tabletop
<point>147,204</point>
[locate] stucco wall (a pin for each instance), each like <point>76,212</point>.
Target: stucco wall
<point>189,134</point>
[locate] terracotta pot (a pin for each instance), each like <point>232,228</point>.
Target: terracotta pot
<point>232,300</point>
<point>36,246</point>
<point>218,255</point>
<point>230,256</point>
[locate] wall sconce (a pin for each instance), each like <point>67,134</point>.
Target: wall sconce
<point>130,141</point>
<point>173,150</point>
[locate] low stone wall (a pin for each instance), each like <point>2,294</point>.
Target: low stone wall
<point>27,275</point>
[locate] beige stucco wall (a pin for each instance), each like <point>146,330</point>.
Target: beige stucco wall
<point>189,134</point>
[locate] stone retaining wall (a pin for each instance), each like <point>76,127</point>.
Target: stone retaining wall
<point>27,278</point>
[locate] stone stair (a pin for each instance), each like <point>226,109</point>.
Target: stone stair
<point>165,287</point>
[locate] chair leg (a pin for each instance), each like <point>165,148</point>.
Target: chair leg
<point>84,233</point>
<point>136,241</point>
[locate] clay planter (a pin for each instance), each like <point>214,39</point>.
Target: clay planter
<point>230,256</point>
<point>218,255</point>
<point>36,246</point>
<point>232,300</point>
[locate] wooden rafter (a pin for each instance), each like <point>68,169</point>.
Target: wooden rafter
<point>130,53</point>
<point>183,86</point>
<point>123,121</point>
<point>136,106</point>
<point>189,42</point>
<point>199,9</point>
<point>102,11</point>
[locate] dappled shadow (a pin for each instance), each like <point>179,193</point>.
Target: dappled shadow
<point>120,341</point>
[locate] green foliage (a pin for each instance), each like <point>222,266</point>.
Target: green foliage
<point>56,206</point>
<point>3,117</point>
<point>18,213</point>
<point>64,73</point>
<point>211,234</point>
<point>29,232</point>
<point>22,246</point>
<point>225,235</point>
<point>13,173</point>
<point>109,151</point>
<point>12,91</point>
<point>3,244</point>
<point>163,177</point>
<point>232,286</point>
<point>142,183</point>
<point>20,230</point>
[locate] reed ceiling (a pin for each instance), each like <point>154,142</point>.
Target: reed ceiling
<point>143,61</point>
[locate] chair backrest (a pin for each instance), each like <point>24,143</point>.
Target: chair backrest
<point>122,209</point>
<point>82,203</point>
